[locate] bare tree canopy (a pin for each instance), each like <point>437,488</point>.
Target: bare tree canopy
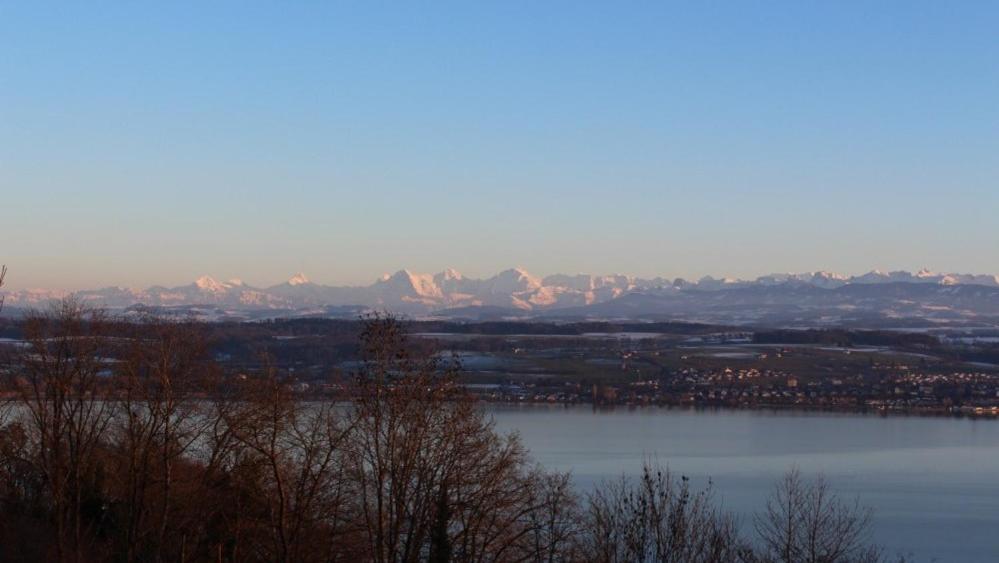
<point>3,274</point>
<point>805,521</point>
<point>658,517</point>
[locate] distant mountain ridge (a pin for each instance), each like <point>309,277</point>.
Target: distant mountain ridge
<point>519,292</point>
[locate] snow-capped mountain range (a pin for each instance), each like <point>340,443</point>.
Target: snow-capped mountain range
<point>514,289</point>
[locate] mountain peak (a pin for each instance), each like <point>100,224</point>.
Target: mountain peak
<point>514,280</point>
<point>403,275</point>
<point>410,284</point>
<point>298,279</point>
<point>516,272</point>
<point>208,283</point>
<point>450,274</point>
<point>829,275</point>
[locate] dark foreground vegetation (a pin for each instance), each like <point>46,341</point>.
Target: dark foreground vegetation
<point>129,443</point>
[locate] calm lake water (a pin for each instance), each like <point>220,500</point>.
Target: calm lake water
<point>933,482</point>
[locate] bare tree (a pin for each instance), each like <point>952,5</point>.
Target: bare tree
<point>3,274</point>
<point>433,478</point>
<point>5,406</point>
<point>292,454</point>
<point>555,520</point>
<point>65,415</point>
<point>157,422</point>
<point>658,518</point>
<point>806,522</point>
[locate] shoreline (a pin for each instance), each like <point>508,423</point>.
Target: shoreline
<point>987,414</point>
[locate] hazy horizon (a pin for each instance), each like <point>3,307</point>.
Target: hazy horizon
<point>153,144</point>
<point>9,286</point>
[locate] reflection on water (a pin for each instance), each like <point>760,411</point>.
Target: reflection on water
<point>934,482</point>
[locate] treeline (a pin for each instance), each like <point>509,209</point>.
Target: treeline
<point>846,338</point>
<point>140,448</point>
<point>988,354</point>
<point>506,328</point>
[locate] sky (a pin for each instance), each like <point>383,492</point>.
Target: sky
<point>151,143</point>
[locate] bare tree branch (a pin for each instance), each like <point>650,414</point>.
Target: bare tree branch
<point>3,274</point>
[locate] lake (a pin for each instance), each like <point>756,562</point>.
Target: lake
<point>933,482</point>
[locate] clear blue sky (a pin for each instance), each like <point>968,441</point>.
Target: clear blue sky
<point>154,142</point>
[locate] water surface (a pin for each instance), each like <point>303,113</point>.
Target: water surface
<point>933,482</point>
